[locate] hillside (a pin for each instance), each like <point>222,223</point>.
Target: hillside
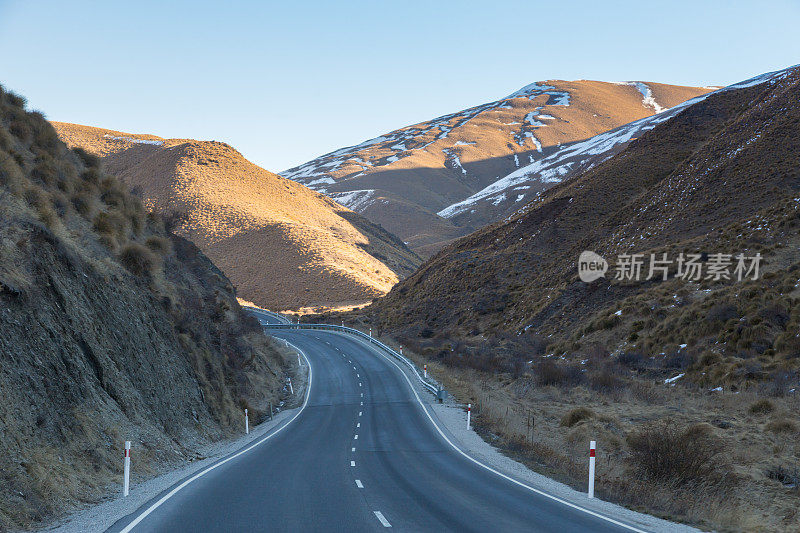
<point>718,175</point>
<point>112,329</point>
<point>700,373</point>
<point>283,246</point>
<point>427,183</point>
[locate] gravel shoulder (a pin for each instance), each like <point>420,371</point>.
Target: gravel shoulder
<point>99,517</point>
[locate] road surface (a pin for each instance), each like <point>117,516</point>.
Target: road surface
<point>361,456</point>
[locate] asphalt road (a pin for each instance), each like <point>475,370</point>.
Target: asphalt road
<point>361,456</point>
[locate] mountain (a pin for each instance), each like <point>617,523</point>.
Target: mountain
<point>432,182</point>
<point>688,384</point>
<point>719,175</point>
<point>283,245</point>
<point>111,329</point>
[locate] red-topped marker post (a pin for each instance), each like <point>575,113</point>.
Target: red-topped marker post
<point>592,452</point>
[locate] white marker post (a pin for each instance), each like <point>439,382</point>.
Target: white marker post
<point>246,423</point>
<point>370,332</point>
<point>425,370</point>
<point>592,448</point>
<point>469,411</point>
<point>126,480</point>
<point>291,389</point>
<point>298,360</point>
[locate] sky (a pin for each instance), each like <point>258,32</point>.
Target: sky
<point>284,82</point>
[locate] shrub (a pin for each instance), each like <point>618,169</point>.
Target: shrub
<point>605,381</point>
<point>109,224</point>
<point>83,203</point>
<point>761,407</point>
<point>576,415</point>
<point>159,245</point>
<point>549,372</point>
<point>663,451</point>
<point>138,259</point>
<point>781,425</point>
<point>90,160</point>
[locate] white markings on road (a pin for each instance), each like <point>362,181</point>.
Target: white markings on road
<point>362,395</point>
<point>170,494</point>
<point>358,425</point>
<point>492,470</point>
<point>382,518</point>
<point>352,463</point>
<point>353,449</point>
<point>359,413</point>
<point>358,375</point>
<point>359,484</point>
<point>362,403</point>
<point>359,383</point>
<point>356,437</point>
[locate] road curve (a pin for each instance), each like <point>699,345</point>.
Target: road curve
<point>361,456</point>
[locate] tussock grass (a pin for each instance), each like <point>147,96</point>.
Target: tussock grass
<point>138,259</point>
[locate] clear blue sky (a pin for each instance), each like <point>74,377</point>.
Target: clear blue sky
<point>286,81</point>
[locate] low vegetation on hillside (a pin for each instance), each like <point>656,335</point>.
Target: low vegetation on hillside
<point>704,372</point>
<point>113,329</point>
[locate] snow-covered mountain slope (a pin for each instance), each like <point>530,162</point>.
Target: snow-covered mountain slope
<point>409,175</point>
<point>508,193</point>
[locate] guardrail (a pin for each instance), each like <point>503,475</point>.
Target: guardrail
<point>433,387</point>
<point>276,316</point>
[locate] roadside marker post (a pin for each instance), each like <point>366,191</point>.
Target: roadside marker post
<point>291,389</point>
<point>424,369</point>
<point>592,452</point>
<point>370,332</point>
<point>246,423</point>
<point>299,363</point>
<point>126,480</point>
<point>469,412</point>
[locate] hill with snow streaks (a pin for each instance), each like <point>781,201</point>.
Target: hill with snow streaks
<point>414,180</point>
<point>283,245</point>
<point>504,196</point>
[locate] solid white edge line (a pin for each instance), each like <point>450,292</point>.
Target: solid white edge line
<point>493,471</point>
<point>382,518</point>
<point>200,474</point>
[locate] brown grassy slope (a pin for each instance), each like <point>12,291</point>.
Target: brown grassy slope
<point>693,184</point>
<point>550,363</point>
<point>445,160</point>
<point>283,246</point>
<point>111,329</point>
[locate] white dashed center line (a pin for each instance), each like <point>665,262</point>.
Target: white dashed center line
<point>356,437</point>
<point>352,463</point>
<point>359,413</point>
<point>358,425</point>
<point>359,484</point>
<point>383,520</point>
<point>353,449</point>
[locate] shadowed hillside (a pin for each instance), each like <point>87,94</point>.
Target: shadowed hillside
<point>111,329</point>
<point>702,373</point>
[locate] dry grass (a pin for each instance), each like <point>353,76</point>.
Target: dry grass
<point>249,220</point>
<point>676,452</point>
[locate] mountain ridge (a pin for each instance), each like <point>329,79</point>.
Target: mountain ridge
<point>407,178</point>
<point>284,246</point>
